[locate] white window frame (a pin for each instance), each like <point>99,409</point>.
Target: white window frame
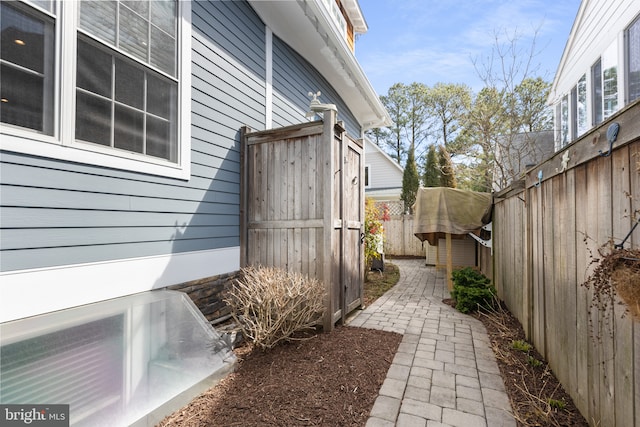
<point>63,146</point>
<point>627,60</point>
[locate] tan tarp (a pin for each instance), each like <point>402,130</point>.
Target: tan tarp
<point>440,211</point>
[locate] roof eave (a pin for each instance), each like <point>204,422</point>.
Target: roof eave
<point>305,26</point>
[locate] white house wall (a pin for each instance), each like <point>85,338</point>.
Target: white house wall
<point>597,33</point>
<point>601,24</point>
<point>74,233</point>
<point>385,177</point>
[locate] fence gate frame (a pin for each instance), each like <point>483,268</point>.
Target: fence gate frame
<point>302,207</point>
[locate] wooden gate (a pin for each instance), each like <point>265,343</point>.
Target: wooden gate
<point>302,207</point>
<point>350,198</point>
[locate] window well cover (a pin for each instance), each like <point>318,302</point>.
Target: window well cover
<point>113,362</point>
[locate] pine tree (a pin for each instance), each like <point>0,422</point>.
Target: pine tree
<point>431,177</point>
<point>410,181</point>
<point>447,177</point>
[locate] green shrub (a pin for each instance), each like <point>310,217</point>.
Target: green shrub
<point>556,404</point>
<point>521,345</point>
<point>532,361</point>
<point>471,290</point>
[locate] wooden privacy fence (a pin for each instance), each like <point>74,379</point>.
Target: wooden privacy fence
<point>302,207</point>
<point>546,237</point>
<point>399,239</point>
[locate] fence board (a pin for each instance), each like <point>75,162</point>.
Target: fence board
<point>622,220</point>
<point>581,395</point>
<point>568,217</point>
<point>399,239</point>
<point>605,231</point>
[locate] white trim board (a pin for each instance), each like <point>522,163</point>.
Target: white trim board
<point>28,293</point>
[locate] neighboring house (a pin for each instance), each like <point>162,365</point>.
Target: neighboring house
<point>515,154</point>
<point>383,175</point>
<point>599,72</point>
<point>120,174</point>
<point>120,134</point>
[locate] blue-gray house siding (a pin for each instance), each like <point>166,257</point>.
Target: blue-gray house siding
<point>56,213</point>
<point>293,79</point>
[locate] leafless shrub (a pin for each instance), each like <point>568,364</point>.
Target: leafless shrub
<point>272,304</point>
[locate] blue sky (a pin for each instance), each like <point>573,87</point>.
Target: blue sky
<point>430,41</point>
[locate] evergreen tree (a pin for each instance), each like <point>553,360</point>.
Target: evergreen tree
<point>410,181</point>
<point>447,177</point>
<point>431,177</point>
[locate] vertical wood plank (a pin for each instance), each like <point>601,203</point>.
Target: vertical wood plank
<point>623,326</point>
<point>549,284</point>
<point>327,144</point>
<point>569,286</point>
<point>594,353</point>
<point>607,383</point>
<point>634,168</point>
<point>581,396</point>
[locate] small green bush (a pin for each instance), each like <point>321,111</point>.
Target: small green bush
<point>471,290</point>
<point>521,345</point>
<point>556,404</point>
<point>532,361</point>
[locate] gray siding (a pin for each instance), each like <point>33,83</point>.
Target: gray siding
<point>56,213</point>
<point>293,79</point>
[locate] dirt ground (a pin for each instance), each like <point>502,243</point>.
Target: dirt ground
<point>333,379</point>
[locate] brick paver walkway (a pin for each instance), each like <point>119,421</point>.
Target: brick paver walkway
<point>444,372</point>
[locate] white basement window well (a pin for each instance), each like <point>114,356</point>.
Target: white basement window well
<point>126,361</point>
<point>108,83</point>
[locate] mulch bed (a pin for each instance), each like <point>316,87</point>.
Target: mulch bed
<point>330,379</point>
<point>333,379</point>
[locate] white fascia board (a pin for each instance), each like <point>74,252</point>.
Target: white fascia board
<point>355,16</point>
<point>554,96</point>
<point>305,26</point>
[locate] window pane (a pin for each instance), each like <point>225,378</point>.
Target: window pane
<point>159,140</point>
<point>45,4</point>
<point>94,69</point>
<point>128,129</point>
<point>140,7</point>
<point>564,127</point>
<point>134,34</point>
<point>633,53</point>
<point>163,51</point>
<point>610,91</point>
<point>596,78</point>
<point>93,119</point>
<point>26,87</point>
<point>99,18</point>
<point>582,105</point>
<point>129,84</point>
<point>23,39</point>
<point>163,15</point>
<point>21,95</point>
<point>161,97</point>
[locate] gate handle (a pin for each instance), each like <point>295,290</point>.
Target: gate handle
<point>362,238</point>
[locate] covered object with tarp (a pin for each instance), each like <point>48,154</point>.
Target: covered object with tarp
<point>440,211</point>
<point>448,213</point>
